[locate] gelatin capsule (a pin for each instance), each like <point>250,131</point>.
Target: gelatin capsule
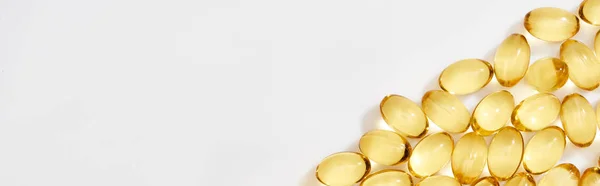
<point>493,112</point>
<point>578,120</point>
<point>584,66</point>
<point>544,150</point>
<point>486,181</point>
<point>439,181</point>
<point>562,175</point>
<point>466,76</point>
<point>384,147</point>
<point>536,112</point>
<point>388,177</point>
<point>547,74</point>
<point>430,155</point>
<point>520,179</point>
<point>597,43</point>
<point>343,169</point>
<point>511,60</point>
<point>588,12</point>
<point>469,157</point>
<point>404,116</point>
<point>590,177</point>
<point>551,24</point>
<point>505,153</point>
<point>446,111</point>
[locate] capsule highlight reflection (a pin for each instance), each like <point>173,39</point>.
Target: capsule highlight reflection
<point>343,169</point>
<point>536,112</point>
<point>431,154</point>
<point>505,153</point>
<point>590,177</point>
<point>578,120</point>
<point>544,150</point>
<point>384,147</point>
<point>466,76</point>
<point>551,24</point>
<point>584,66</point>
<point>446,111</point>
<point>492,113</point>
<point>469,157</point>
<point>547,74</point>
<point>588,12</point>
<point>511,60</point>
<point>388,177</point>
<point>562,175</point>
<point>404,116</point>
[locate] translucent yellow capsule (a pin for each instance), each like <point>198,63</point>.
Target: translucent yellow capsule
<point>584,66</point>
<point>511,60</point>
<point>439,181</point>
<point>536,112</point>
<point>493,112</point>
<point>486,181</point>
<point>551,24</point>
<point>384,147</point>
<point>520,179</point>
<point>404,116</point>
<point>590,177</point>
<point>343,169</point>
<point>547,74</point>
<point>469,157</point>
<point>446,111</point>
<point>578,120</point>
<point>466,76</point>
<point>544,150</point>
<point>562,175</point>
<point>588,12</point>
<point>430,155</point>
<point>388,177</point>
<point>597,43</point>
<point>505,153</point>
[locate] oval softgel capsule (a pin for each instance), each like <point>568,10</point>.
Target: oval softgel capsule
<point>551,24</point>
<point>431,154</point>
<point>511,60</point>
<point>466,76</point>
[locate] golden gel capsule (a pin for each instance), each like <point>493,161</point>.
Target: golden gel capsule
<point>551,24</point>
<point>544,150</point>
<point>597,43</point>
<point>469,157</point>
<point>492,112</point>
<point>511,60</point>
<point>384,147</point>
<point>590,177</point>
<point>588,12</point>
<point>578,119</point>
<point>404,116</point>
<point>584,66</point>
<point>343,169</point>
<point>431,154</point>
<point>446,111</point>
<point>520,179</point>
<point>547,74</point>
<point>561,175</point>
<point>439,181</point>
<point>536,112</point>
<point>505,153</point>
<point>486,181</point>
<point>466,76</point>
<point>388,177</point>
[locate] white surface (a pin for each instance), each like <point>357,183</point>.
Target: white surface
<point>226,92</point>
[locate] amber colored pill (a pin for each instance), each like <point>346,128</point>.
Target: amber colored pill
<point>544,150</point>
<point>511,60</point>
<point>439,181</point>
<point>486,181</point>
<point>578,119</point>
<point>520,179</point>
<point>493,112</point>
<point>536,112</point>
<point>431,154</point>
<point>589,12</point>
<point>590,177</point>
<point>562,175</point>
<point>466,76</point>
<point>384,147</point>
<point>469,157</point>
<point>547,74</point>
<point>505,153</point>
<point>446,111</point>
<point>584,66</point>
<point>389,177</point>
<point>404,116</point>
<point>343,169</point>
<point>551,24</point>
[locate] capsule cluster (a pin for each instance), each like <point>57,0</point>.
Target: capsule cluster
<point>507,150</point>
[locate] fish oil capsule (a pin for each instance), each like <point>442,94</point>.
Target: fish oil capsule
<point>505,153</point>
<point>430,155</point>
<point>446,111</point>
<point>492,113</point>
<point>388,177</point>
<point>590,177</point>
<point>544,150</point>
<point>520,179</point>
<point>547,74</point>
<point>384,147</point>
<point>404,116</point>
<point>469,157</point>
<point>551,24</point>
<point>562,175</point>
<point>343,169</point>
<point>584,66</point>
<point>597,43</point>
<point>536,112</point>
<point>466,76</point>
<point>438,181</point>
<point>588,12</point>
<point>511,60</point>
<point>578,120</point>
<point>486,181</point>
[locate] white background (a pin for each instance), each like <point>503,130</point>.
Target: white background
<point>227,92</point>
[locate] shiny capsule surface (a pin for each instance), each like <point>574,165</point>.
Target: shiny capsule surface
<point>544,150</point>
<point>584,66</point>
<point>588,12</point>
<point>561,175</point>
<point>547,74</point>
<point>493,112</point>
<point>466,76</point>
<point>343,169</point>
<point>388,177</point>
<point>578,119</point>
<point>431,154</point>
<point>404,116</point>
<point>536,112</point>
<point>590,177</point>
<point>520,179</point>
<point>486,181</point>
<point>511,60</point>
<point>505,153</point>
<point>469,157</point>
<point>551,24</point>
<point>384,147</point>
<point>439,181</point>
<point>446,111</point>
<point>597,43</point>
